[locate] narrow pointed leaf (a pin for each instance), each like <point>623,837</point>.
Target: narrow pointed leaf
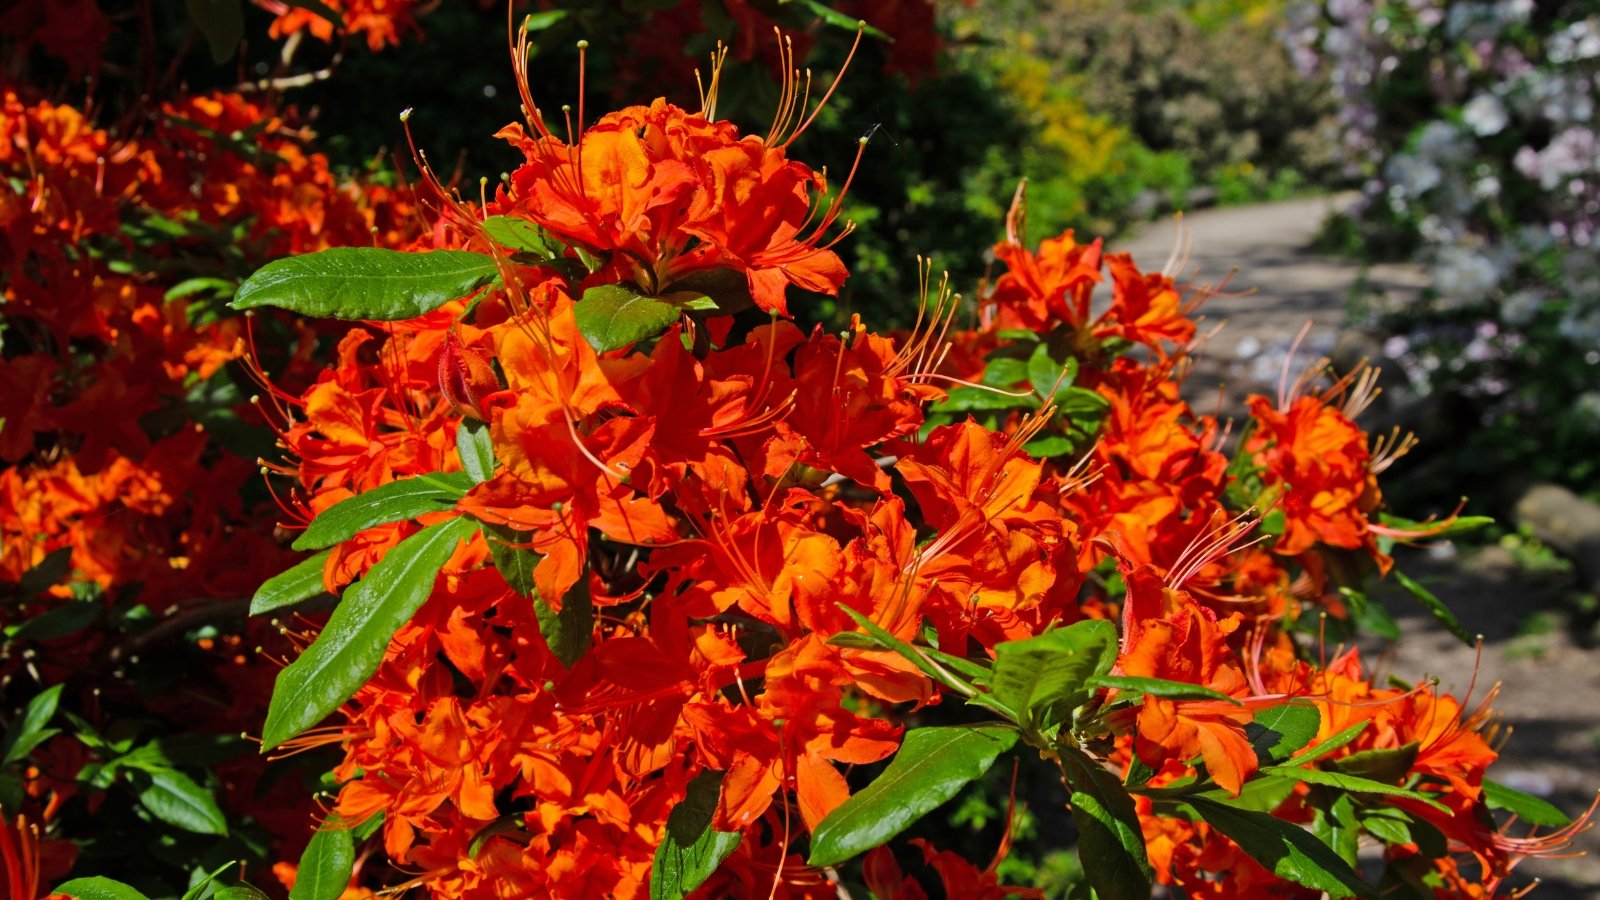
<point>692,849</point>
<point>515,564</point>
<point>1285,849</point>
<point>353,642</point>
<point>932,766</point>
<point>1110,843</point>
<point>396,501</point>
<point>326,864</point>
<point>1328,745</point>
<point>613,316</point>
<point>1353,783</point>
<point>298,583</point>
<point>1161,687</point>
<point>1527,807</point>
<point>23,735</point>
<point>476,448</point>
<point>366,283</point>
<point>177,799</point>
<point>569,630</point>
<point>1435,606</point>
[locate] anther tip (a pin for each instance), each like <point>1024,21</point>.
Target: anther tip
<point>583,45</point>
<point>405,114</point>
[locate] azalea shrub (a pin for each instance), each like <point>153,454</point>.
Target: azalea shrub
<point>1474,125</point>
<point>576,567</point>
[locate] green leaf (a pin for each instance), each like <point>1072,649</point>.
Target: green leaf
<point>201,888</point>
<point>190,286</point>
<point>889,642</point>
<point>476,448</point>
<point>326,864</point>
<point>1285,849</point>
<point>397,501</point>
<point>1457,526</point>
<point>369,827</point>
<point>353,642</point>
<point>539,21</point>
<point>1045,373</point>
<point>1387,824</point>
<point>515,564</point>
<point>972,399</point>
<point>58,621</point>
<point>1526,807</point>
<point>521,235</point>
<point>721,290</point>
<point>932,765</point>
<point>177,799</point>
<point>48,573</point>
<point>366,283</point>
<point>612,316</point>
<point>1386,766</point>
<point>1435,606</point>
<point>298,583</point>
<point>831,16</point>
<point>1278,732</point>
<point>1110,843</point>
<point>1352,783</point>
<point>1329,744</point>
<point>222,22</point>
<point>240,892</point>
<point>28,731</point>
<point>1336,826</point>
<point>321,9</point>
<point>570,629</point>
<point>1160,687</point>
<point>98,888</point>
<point>1263,793</point>
<point>692,849</point>
<point>1051,672</point>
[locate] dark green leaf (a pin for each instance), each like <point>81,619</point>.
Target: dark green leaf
<point>321,9</point>
<point>569,630</point>
<point>57,621</point>
<point>1004,372</point>
<point>692,849</point>
<point>397,501</point>
<point>1526,807</point>
<point>1110,843</point>
<point>98,888</point>
<point>298,583</point>
<point>932,765</point>
<point>200,888</point>
<point>1386,766</point>
<point>476,448</point>
<point>1285,849</point>
<point>353,642</point>
<point>889,642</point>
<point>366,283</point>
<point>177,799</point>
<point>240,892</point>
<point>48,573</point>
<point>1388,825</point>
<point>1160,687</point>
<point>515,564</point>
<point>1279,732</point>
<point>612,316</point>
<point>1051,671</point>
<point>1051,445</point>
<point>1048,377</point>
<point>222,22</point>
<point>25,733</point>
<point>521,235</point>
<point>1263,793</point>
<point>326,864</point>
<point>1435,606</point>
<point>837,19</point>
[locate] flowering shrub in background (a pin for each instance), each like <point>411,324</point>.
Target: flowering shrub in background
<point>1475,125</point>
<point>642,587</point>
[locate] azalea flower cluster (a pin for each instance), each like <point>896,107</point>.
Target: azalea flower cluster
<point>674,559</point>
<point>125,454</point>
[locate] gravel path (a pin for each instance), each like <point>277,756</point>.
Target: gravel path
<point>1550,699</point>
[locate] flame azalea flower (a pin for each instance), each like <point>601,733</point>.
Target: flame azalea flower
<point>1319,461</point>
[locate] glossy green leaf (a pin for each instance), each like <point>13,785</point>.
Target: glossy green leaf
<point>692,849</point>
<point>1392,826</point>
<point>1526,807</point>
<point>570,629</point>
<point>515,564</point>
<point>1160,687</point>
<point>222,23</point>
<point>476,448</point>
<point>837,19</point>
<point>1328,745</point>
<point>98,888</point>
<point>613,316</point>
<point>177,799</point>
<point>1351,783</point>
<point>298,583</point>
<point>353,642</point>
<point>973,399</point>
<point>397,501</point>
<point>932,766</point>
<point>1387,766</point>
<point>366,283</point>
<point>29,728</point>
<point>1052,671</point>
<point>1110,844</point>
<point>923,663</point>
<point>1285,849</point>
<point>1279,732</point>
<point>1435,606</point>
<point>326,864</point>
<point>1048,377</point>
<point>1337,827</point>
<point>521,235</point>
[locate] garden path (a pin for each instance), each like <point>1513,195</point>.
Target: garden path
<point>1534,639</point>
